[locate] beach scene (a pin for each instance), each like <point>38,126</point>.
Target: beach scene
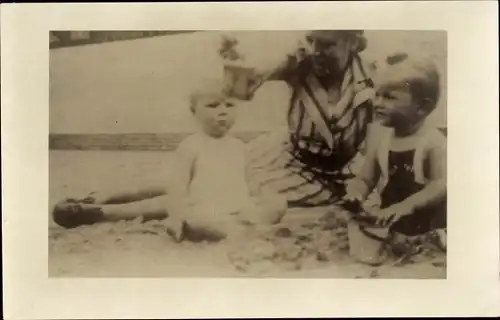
<point>118,110</point>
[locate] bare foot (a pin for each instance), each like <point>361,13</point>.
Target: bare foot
<point>438,238</point>
<point>175,228</point>
<point>70,214</point>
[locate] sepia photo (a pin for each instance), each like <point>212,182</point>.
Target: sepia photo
<point>292,159</point>
<point>311,154</point>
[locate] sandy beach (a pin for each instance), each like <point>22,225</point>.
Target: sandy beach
<point>143,91</point>
<point>314,246</point>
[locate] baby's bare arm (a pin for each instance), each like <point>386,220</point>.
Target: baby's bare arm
<point>362,185</point>
<point>253,187</point>
<point>181,175</point>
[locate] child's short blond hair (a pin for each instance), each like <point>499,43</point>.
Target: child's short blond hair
<point>206,87</point>
<point>419,73</point>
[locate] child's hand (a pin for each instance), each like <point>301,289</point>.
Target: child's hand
<point>352,203</point>
<point>353,198</point>
<point>386,217</point>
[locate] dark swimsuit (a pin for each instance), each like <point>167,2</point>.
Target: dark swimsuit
<point>402,184</point>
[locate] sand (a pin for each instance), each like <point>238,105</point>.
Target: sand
<point>95,101</point>
<point>300,246</point>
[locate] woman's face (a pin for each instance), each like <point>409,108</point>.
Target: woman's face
<point>330,54</point>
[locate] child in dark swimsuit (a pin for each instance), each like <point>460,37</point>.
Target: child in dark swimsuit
<point>406,158</point>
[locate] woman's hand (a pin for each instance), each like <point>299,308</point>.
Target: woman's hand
<point>228,50</point>
<point>242,79</point>
<point>257,76</point>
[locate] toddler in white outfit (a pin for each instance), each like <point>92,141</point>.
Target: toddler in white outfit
<point>209,196</point>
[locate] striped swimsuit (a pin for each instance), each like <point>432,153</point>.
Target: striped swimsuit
<point>325,132</point>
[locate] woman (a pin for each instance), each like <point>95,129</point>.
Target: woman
<point>328,116</point>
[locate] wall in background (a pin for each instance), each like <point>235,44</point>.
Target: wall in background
<point>62,39</point>
<point>140,86</point>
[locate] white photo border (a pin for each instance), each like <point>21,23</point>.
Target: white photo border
<point>473,285</point>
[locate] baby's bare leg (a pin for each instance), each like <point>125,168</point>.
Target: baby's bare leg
<point>129,195</point>
<point>202,223</point>
<point>267,210</point>
<point>154,208</point>
<point>74,214</point>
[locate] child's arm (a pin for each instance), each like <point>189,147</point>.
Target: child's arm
<point>432,193</point>
<point>253,188</point>
<point>362,185</point>
<point>178,186</point>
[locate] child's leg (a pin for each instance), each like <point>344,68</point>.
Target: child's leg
<point>400,244</point>
<point>439,226</point>
<point>414,224</point>
<point>127,196</point>
<point>153,208</point>
<point>72,215</point>
<point>267,210</point>
<point>421,227</point>
<point>201,224</point>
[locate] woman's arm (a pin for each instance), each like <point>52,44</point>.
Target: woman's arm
<point>229,53</point>
<point>282,71</point>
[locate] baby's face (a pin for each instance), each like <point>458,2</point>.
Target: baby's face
<point>215,113</point>
<point>393,104</point>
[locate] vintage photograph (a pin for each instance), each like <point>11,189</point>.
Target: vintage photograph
<point>285,154</point>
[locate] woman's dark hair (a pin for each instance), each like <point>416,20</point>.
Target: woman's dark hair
<point>356,36</point>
